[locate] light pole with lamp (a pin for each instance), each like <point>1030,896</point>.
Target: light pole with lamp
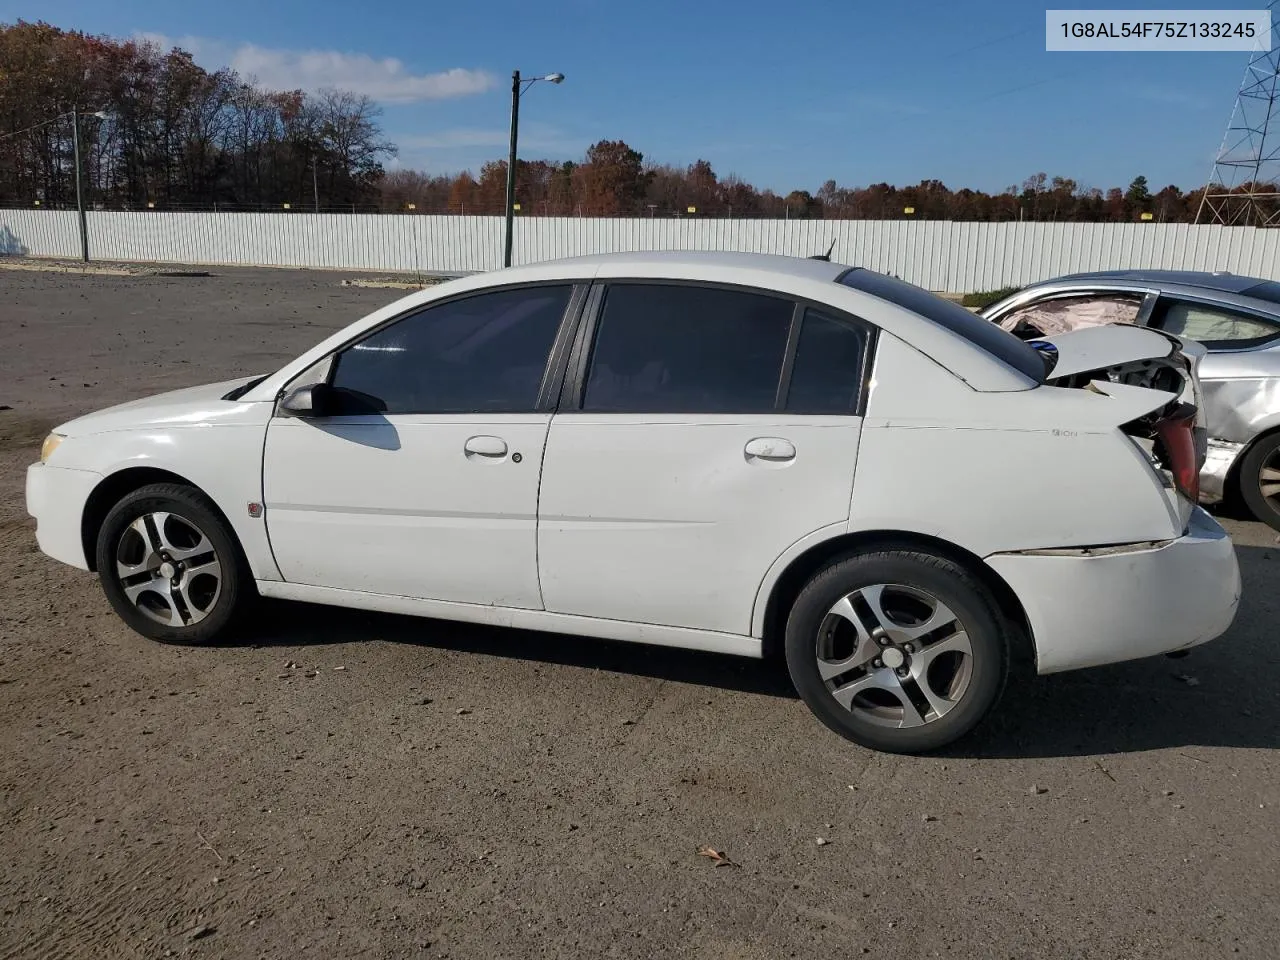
<point>518,87</point>
<point>75,147</point>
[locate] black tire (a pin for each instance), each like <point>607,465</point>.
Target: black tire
<point>200,612</point>
<point>1265,454</point>
<point>976,614</point>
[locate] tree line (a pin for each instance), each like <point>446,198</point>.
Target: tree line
<point>614,181</point>
<point>173,135</point>
<point>170,132</point>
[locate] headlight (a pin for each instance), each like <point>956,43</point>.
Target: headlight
<point>50,444</point>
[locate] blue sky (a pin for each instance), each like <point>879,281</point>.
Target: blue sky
<point>786,95</point>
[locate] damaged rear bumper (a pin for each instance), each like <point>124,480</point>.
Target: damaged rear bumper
<point>1090,607</point>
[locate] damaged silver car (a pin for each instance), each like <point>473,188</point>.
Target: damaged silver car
<point>1237,319</point>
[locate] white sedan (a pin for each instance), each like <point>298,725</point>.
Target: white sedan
<point>721,452</point>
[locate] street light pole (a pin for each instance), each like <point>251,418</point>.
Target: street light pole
<point>518,87</point>
<point>511,167</point>
<point>75,150</point>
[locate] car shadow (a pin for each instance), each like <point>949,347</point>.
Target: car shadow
<point>287,624</point>
<point>1220,694</point>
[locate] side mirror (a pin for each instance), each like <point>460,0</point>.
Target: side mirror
<point>310,400</point>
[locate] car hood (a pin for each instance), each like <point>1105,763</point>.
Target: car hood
<point>190,406</point>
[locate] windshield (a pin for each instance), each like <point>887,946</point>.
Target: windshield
<point>983,334</point>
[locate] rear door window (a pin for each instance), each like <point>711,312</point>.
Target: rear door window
<point>683,348</point>
<point>827,375</point>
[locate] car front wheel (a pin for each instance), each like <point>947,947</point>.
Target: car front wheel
<point>897,650</point>
<point>170,566</point>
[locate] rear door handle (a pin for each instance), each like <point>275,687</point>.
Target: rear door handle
<point>485,447</point>
<point>770,449</point>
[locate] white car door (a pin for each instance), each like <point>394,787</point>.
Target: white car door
<point>703,430</point>
<point>422,479</point>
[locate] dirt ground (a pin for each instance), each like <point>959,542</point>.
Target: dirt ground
<point>414,788</point>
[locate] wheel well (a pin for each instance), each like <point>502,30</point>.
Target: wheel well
<point>803,567</point>
<point>1231,483</point>
<point>108,493</point>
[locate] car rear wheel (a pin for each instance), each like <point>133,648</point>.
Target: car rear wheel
<point>1260,480</point>
<point>897,650</point>
<point>170,566</point>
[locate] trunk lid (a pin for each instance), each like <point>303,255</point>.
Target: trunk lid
<point>1157,376</point>
<point>1091,349</point>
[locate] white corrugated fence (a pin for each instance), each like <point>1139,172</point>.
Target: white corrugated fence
<point>939,255</point>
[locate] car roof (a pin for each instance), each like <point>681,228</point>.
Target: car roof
<point>801,267</point>
<point>1221,287</point>
<point>1225,282</point>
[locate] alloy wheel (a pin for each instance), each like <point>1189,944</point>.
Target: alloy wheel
<point>1269,480</point>
<point>894,655</point>
<point>168,569</point>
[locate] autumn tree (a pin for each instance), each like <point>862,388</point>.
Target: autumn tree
<point>801,205</point>
<point>462,194</point>
<point>612,181</point>
<point>174,132</point>
<point>1137,199</point>
<point>560,190</point>
<point>491,188</point>
<point>739,197</point>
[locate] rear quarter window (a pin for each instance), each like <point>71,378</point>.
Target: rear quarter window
<point>983,334</point>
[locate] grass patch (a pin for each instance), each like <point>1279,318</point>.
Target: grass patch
<point>985,298</point>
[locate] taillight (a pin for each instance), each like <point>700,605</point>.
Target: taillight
<point>1177,440</point>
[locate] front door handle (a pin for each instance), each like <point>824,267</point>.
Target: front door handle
<point>770,449</point>
<point>490,447</point>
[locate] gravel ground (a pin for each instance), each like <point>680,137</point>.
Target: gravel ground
<point>338,784</point>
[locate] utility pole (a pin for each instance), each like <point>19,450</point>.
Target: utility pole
<point>75,150</point>
<point>511,168</point>
<point>315,189</point>
<point>518,87</point>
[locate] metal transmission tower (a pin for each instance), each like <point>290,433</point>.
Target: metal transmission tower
<point>1244,187</point>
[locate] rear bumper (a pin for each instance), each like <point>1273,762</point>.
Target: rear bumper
<point>56,497</point>
<point>1104,607</point>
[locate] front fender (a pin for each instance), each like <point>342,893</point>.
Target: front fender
<point>224,461</point>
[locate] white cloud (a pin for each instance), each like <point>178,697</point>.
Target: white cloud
<point>461,137</point>
<point>538,137</point>
<point>386,80</point>
<point>1177,98</point>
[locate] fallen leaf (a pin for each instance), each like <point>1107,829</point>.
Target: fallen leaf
<point>721,859</point>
